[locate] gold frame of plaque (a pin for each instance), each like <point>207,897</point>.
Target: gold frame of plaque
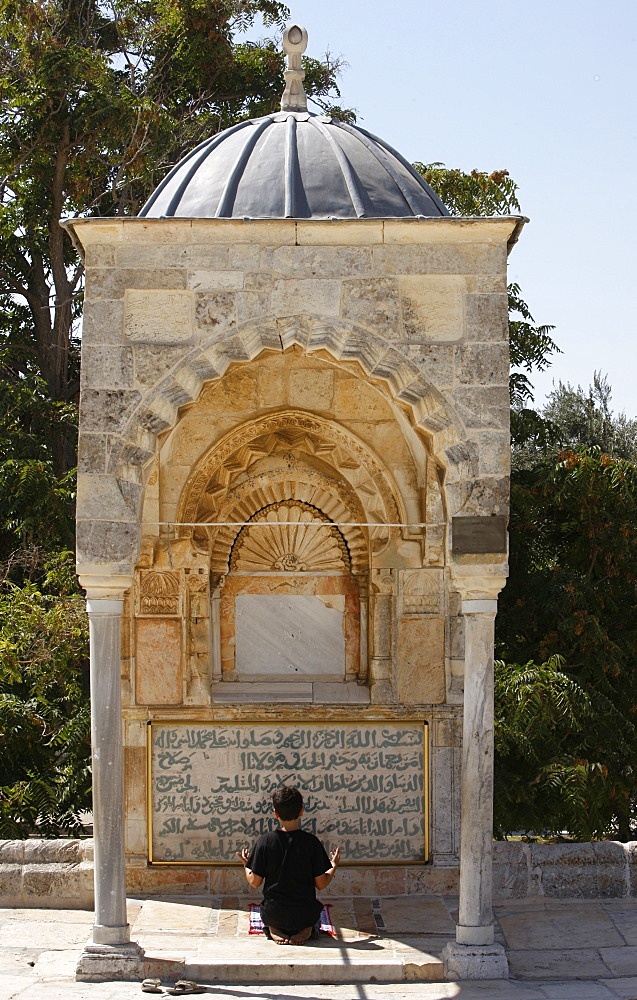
<point>360,723</point>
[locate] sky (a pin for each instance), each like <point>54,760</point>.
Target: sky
<point>546,89</point>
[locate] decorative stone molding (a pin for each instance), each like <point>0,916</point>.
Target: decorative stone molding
<point>307,543</point>
<point>159,593</point>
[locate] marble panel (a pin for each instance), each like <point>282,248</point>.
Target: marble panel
<point>289,636</point>
<point>262,692</point>
<point>158,662</point>
<point>421,663</point>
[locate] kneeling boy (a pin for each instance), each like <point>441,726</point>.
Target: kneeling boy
<point>293,864</point>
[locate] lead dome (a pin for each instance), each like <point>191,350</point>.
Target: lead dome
<point>293,165</point>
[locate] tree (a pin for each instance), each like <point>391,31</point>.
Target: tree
<point>97,99</point>
<point>586,418</point>
<point>572,592</point>
<point>45,781</point>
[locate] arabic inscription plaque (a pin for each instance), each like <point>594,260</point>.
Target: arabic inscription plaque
<point>364,788</point>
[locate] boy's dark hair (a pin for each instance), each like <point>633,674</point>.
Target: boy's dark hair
<point>287,802</point>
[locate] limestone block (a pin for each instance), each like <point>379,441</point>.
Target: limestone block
<point>107,498</point>
<point>483,364</point>
<point>107,410</point>
<point>216,312</point>
<point>103,322</point>
<point>111,282</point>
<point>373,302</point>
<point>100,255</point>
<point>158,317</point>
<point>107,367</point>
<point>262,231</point>
<point>432,307</point>
<point>244,257</point>
<point>258,281</point>
<point>156,231</point>
<point>486,496</point>
<point>482,407</point>
<point>487,317</point>
<point>317,295</point>
<point>158,662</point>
<point>421,661</point>
<point>511,862</point>
<point>339,233</point>
<point>272,387</point>
<point>320,262</point>
<point>161,881</point>
<point>495,453</point>
<point>571,871</point>
<point>112,543</point>
<point>152,362</point>
<point>455,258</point>
<point>235,393</point>
<point>354,399</point>
<point>252,305</point>
<point>162,255</point>
<point>485,283</point>
<point>449,230</point>
<point>213,281</point>
<point>311,389</point>
<point>91,455</point>
<point>435,362</point>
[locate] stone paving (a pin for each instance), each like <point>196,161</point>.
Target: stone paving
<point>557,950</point>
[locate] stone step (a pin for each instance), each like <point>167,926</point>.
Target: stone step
<point>331,963</point>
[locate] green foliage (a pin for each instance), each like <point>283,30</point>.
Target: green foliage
<point>475,194</point>
<point>573,592</point>
<point>44,715</point>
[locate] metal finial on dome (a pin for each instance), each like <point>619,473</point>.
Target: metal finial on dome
<point>294,45</point>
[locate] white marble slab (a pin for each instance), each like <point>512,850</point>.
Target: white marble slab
<point>289,635</point>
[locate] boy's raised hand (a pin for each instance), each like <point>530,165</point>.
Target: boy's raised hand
<point>335,856</point>
<point>243,856</point>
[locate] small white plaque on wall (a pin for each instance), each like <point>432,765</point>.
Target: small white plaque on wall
<point>157,317</point>
<point>295,636</point>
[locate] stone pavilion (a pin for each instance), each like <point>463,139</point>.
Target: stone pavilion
<point>291,517</point>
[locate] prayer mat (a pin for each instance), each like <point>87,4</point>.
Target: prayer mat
<point>324,923</point>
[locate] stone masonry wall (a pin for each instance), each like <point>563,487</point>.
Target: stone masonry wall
<point>59,874</point>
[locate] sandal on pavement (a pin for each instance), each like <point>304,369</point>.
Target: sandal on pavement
<point>152,986</point>
<point>183,986</point>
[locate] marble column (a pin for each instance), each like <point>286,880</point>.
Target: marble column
<point>474,954</point>
<point>111,926</point>
<point>112,955</point>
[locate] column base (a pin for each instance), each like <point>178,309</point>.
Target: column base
<point>100,963</point>
<point>111,935</point>
<point>469,961</point>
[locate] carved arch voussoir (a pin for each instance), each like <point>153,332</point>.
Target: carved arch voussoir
<point>346,342</point>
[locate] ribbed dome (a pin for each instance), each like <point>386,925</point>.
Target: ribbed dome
<point>293,165</point>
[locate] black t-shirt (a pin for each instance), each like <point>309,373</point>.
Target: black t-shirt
<point>289,862</point>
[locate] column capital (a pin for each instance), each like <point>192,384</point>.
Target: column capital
<point>107,587</point>
<point>473,607</point>
<point>479,586</point>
